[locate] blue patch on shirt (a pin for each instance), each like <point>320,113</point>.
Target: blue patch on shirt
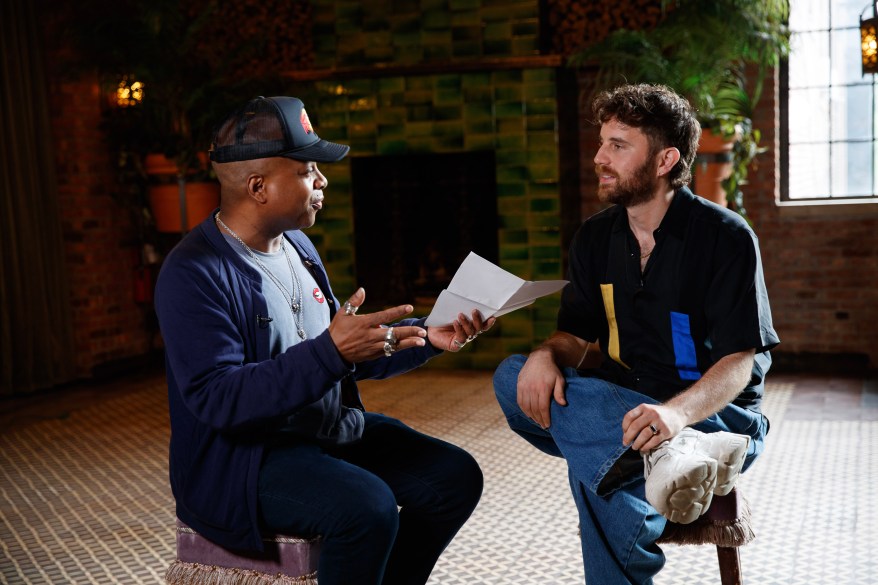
<point>684,347</point>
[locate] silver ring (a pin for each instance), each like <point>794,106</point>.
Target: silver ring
<point>349,309</point>
<point>654,429</point>
<point>389,348</point>
<point>390,337</point>
<point>458,344</point>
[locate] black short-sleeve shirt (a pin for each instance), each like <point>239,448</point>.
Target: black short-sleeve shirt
<point>701,297</point>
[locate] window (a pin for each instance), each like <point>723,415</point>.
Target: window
<point>830,133</point>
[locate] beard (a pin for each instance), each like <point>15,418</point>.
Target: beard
<point>640,187</point>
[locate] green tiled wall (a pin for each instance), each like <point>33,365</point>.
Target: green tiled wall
<point>357,33</point>
<point>512,112</point>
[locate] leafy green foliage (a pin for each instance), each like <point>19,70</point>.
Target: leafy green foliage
<point>702,49</point>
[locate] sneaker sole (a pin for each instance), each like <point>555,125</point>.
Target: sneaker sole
<point>683,492</point>
<point>731,462</point>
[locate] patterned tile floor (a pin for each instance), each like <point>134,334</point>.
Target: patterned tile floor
<point>84,496</point>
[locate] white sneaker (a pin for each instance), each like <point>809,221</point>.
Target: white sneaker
<point>683,474</point>
<point>729,450</point>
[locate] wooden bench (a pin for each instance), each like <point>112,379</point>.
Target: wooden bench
<point>726,524</point>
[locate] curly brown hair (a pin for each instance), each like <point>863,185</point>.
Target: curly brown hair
<point>667,119</point>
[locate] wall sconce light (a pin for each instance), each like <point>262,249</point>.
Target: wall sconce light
<point>869,39</point>
<point>128,92</point>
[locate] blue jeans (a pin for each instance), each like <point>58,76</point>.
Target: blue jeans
<point>348,494</point>
<point>618,529</point>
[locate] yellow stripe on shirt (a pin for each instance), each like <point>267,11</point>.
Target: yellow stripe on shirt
<point>610,308</point>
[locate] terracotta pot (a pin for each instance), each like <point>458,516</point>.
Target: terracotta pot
<point>164,200</point>
<point>155,163</point>
<point>713,165</point>
<point>158,164</point>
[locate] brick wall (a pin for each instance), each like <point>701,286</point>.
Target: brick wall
<point>100,246</point>
<point>821,266</point>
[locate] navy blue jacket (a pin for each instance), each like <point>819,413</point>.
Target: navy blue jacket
<point>226,393</point>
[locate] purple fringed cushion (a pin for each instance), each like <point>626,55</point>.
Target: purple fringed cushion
<point>726,523</point>
<point>286,559</point>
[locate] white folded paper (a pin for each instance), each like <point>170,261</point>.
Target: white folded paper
<point>479,284</point>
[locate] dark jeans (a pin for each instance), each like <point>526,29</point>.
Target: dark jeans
<point>349,496</point>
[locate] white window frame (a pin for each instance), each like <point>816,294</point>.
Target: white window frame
<point>826,146</point>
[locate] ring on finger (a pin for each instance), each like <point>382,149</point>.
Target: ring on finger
<point>654,429</point>
<point>389,348</point>
<point>390,337</point>
<point>349,309</point>
<point>458,344</point>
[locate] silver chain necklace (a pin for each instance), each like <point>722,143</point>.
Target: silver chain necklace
<point>296,306</point>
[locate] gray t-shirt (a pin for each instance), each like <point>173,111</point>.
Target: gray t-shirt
<point>313,316</point>
<point>326,419</point>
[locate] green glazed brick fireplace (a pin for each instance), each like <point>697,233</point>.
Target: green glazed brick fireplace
<point>447,94</point>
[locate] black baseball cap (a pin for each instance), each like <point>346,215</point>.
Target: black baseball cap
<point>272,126</point>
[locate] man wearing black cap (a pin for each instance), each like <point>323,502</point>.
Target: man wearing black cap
<point>268,431</point>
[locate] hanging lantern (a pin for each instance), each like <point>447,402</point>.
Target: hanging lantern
<point>127,93</point>
<point>869,39</point>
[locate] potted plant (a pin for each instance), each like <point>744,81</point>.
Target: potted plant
<point>186,80</point>
<point>714,52</point>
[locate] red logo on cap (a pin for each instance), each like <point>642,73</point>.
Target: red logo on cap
<point>318,295</point>
<point>306,123</point>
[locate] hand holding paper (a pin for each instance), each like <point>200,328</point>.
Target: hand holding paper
<point>479,284</point>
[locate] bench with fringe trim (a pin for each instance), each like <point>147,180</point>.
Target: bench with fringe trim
<point>286,560</point>
<point>180,573</point>
<point>725,524</point>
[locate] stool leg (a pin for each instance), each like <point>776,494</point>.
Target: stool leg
<point>729,565</point>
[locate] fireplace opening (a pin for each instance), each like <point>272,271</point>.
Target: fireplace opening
<point>416,217</point>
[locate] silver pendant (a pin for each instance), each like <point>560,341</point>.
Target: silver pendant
<point>295,307</point>
<point>302,333</point>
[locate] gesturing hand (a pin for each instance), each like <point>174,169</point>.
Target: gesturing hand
<point>360,337</point>
<point>455,335</point>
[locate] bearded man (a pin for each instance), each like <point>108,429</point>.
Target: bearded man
<point>670,288</point>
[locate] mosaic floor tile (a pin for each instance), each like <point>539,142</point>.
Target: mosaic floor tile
<point>84,495</point>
